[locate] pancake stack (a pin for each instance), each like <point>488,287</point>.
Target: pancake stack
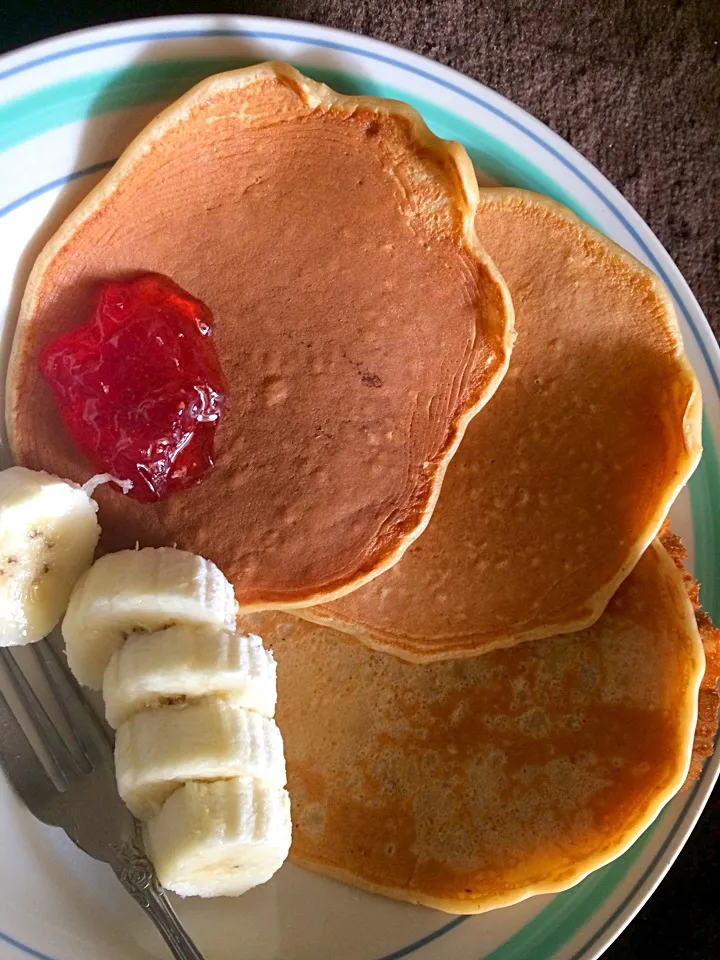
<point>444,759</point>
<point>457,421</point>
<point>568,475</point>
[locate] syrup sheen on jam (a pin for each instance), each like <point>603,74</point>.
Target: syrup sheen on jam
<point>139,387</point>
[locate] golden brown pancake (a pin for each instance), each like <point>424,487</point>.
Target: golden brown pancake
<point>565,478</point>
<point>471,784</point>
<point>358,320</point>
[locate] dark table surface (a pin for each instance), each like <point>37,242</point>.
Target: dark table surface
<point>634,85</point>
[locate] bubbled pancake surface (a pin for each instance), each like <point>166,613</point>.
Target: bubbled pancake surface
<point>564,479</point>
<point>470,784</point>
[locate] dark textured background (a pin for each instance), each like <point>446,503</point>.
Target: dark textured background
<point>635,87</point>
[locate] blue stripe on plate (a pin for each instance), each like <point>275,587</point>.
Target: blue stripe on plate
<point>426,75</point>
<point>54,185</point>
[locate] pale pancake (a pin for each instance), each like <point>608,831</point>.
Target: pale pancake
<point>471,784</point>
<point>358,320</point>
<point>565,478</point>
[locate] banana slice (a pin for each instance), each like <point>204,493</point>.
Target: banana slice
<point>210,739</point>
<point>48,535</point>
<point>188,662</point>
<point>220,839</point>
<point>140,591</point>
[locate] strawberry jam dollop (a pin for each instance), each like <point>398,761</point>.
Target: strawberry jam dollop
<point>140,388</point>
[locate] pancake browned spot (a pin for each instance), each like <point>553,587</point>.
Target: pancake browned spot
<point>565,478</point>
<point>471,784</point>
<point>357,319</point>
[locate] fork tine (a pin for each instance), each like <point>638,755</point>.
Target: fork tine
<point>48,671</point>
<point>88,730</point>
<point>21,764</point>
<point>65,766</point>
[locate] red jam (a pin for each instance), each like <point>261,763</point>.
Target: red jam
<point>139,386</point>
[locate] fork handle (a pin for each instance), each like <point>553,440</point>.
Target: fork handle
<point>138,877</point>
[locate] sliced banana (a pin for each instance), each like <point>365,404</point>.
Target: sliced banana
<point>197,753</point>
<point>220,839</point>
<point>48,535</point>
<point>209,739</point>
<point>188,662</point>
<point>140,591</point>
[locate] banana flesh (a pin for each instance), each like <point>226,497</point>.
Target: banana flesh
<point>158,750</point>
<point>185,662</point>
<point>48,535</point>
<point>198,757</point>
<point>136,591</point>
<point>220,839</point>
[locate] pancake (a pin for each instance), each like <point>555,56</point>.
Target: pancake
<point>357,319</point>
<point>471,784</point>
<point>565,478</point>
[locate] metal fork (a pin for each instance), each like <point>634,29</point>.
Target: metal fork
<point>78,792</point>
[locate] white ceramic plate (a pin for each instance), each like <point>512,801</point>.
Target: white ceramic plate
<point>67,108</point>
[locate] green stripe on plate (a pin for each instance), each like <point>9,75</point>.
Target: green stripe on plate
<point>705,502</point>
<point>553,927</point>
<point>96,94</point>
